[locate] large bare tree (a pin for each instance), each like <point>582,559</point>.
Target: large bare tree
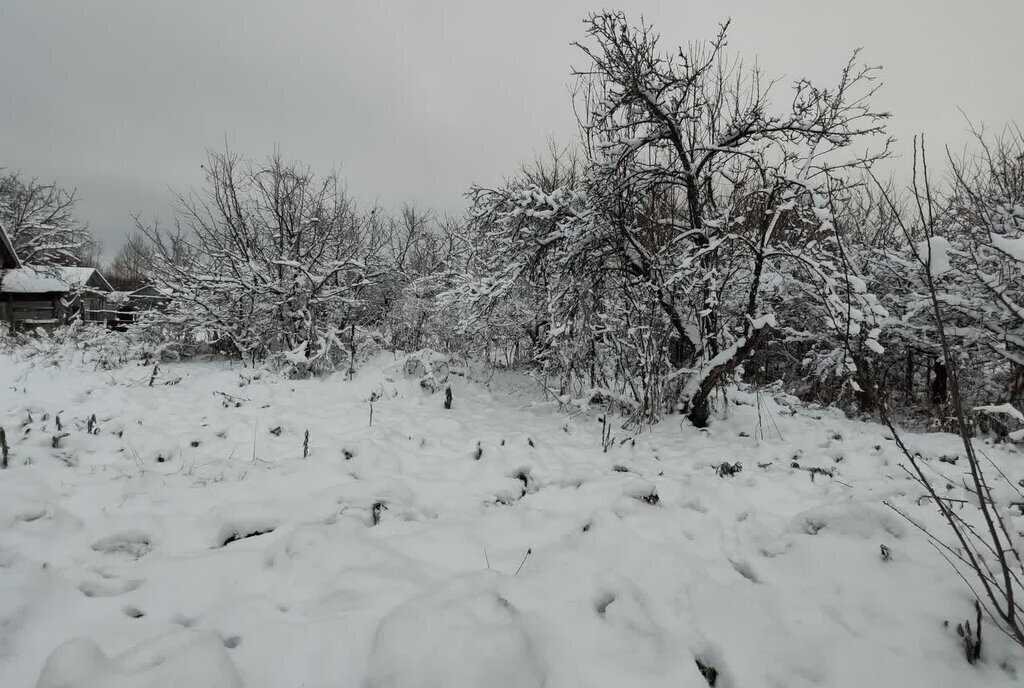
<point>710,188</point>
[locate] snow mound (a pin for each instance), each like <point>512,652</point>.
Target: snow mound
<point>463,635</point>
<point>429,368</point>
<point>180,659</point>
<point>850,519</point>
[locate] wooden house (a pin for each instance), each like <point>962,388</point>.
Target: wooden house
<point>35,296</point>
<point>46,296</point>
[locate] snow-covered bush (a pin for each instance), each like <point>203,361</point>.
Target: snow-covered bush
<point>965,238</point>
<point>418,318</point>
<point>418,257</point>
<point>978,263</point>
<point>78,344</point>
<point>272,260</point>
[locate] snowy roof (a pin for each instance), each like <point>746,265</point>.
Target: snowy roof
<point>151,291</point>
<point>32,279</point>
<point>8,256</point>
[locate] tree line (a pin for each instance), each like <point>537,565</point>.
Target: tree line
<point>709,224</point>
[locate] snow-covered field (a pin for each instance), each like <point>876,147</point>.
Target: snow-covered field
<point>181,539</point>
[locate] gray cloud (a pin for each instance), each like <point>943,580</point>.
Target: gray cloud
<point>415,100</point>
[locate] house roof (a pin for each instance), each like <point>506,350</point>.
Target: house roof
<point>8,257</point>
<point>151,291</point>
<point>32,279</point>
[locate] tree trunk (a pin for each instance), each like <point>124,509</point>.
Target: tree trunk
<point>866,394</point>
<point>909,376</point>
<point>699,407</point>
<point>940,385</point>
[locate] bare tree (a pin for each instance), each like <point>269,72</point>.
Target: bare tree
<point>985,554</point>
<point>986,232</point>
<point>40,220</point>
<point>271,258</point>
<point>425,253</point>
<point>131,267</point>
<point>650,268</point>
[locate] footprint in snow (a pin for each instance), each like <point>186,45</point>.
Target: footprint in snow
<point>110,587</point>
<point>132,544</point>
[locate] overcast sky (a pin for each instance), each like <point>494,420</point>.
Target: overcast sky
<point>415,100</point>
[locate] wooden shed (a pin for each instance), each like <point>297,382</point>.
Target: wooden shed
<point>34,296</point>
<point>127,306</point>
<point>150,297</point>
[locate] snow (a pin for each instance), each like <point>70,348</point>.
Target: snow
<point>186,542</point>
<point>152,291</point>
<point>179,658</point>
<point>1005,409</point>
<point>935,251</point>
<point>1012,247</point>
<point>36,280</point>
<point>463,635</point>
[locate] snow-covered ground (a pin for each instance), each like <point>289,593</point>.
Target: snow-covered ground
<point>181,539</point>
